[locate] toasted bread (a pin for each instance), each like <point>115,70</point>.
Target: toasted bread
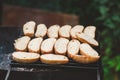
<point>64,31</point>
<point>41,30</point>
<point>61,46</point>
<point>90,31</point>
<point>53,31</point>
<point>25,57</point>
<point>87,50</point>
<point>54,59</point>
<point>76,29</point>
<point>34,45</point>
<point>29,28</point>
<point>87,39</point>
<point>85,59</point>
<point>47,45</point>
<point>22,43</point>
<point>73,48</point>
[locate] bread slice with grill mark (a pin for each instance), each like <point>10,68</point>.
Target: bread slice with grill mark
<point>87,39</point>
<point>64,31</point>
<point>53,31</point>
<point>54,59</point>
<point>25,57</point>
<point>47,45</point>
<point>41,30</point>
<point>87,50</point>
<point>90,31</point>
<point>21,43</point>
<point>29,28</point>
<point>76,29</point>
<point>60,46</point>
<point>73,48</point>
<point>85,59</point>
<point>34,45</point>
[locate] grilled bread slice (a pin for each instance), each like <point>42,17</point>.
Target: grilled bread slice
<point>85,59</point>
<point>86,39</point>
<point>54,59</point>
<point>73,48</point>
<point>87,50</point>
<point>22,43</point>
<point>25,57</point>
<point>47,45</point>
<point>90,31</point>
<point>61,46</point>
<point>34,45</point>
<point>29,28</point>
<point>76,29</point>
<point>53,31</point>
<point>64,31</point>
<point>41,30</point>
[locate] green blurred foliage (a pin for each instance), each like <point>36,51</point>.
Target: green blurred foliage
<point>104,14</point>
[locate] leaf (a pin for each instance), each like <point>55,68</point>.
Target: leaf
<point>103,10</point>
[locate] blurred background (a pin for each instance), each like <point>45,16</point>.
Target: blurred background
<point>104,14</point>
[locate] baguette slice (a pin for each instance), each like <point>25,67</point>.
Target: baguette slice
<point>29,28</point>
<point>87,39</point>
<point>34,45</point>
<point>61,46</point>
<point>64,31</point>
<point>85,59</point>
<point>41,30</point>
<point>76,29</point>
<point>25,57</point>
<point>53,31</point>
<point>90,31</point>
<point>47,45</point>
<point>22,43</point>
<point>54,59</point>
<point>73,48</point>
<point>87,50</point>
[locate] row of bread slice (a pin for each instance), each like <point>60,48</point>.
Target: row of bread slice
<point>60,46</point>
<point>56,31</point>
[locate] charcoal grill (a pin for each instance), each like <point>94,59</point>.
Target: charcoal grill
<point>41,71</point>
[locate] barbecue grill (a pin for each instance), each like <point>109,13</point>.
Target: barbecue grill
<point>38,70</point>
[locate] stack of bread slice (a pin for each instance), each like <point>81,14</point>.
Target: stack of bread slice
<point>56,45</point>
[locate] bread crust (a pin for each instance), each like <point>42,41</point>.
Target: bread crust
<point>29,28</point>
<point>61,43</point>
<point>38,45</point>
<point>87,39</point>
<point>53,61</point>
<point>85,59</point>
<point>76,29</point>
<point>73,48</point>
<point>25,58</point>
<point>19,42</point>
<point>53,31</point>
<point>64,31</point>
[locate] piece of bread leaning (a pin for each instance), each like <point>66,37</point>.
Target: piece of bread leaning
<point>90,31</point>
<point>41,30</point>
<point>53,31</point>
<point>34,45</point>
<point>88,54</point>
<point>64,31</point>
<point>54,59</point>
<point>73,48</point>
<point>47,45</point>
<point>60,46</point>
<point>25,57</point>
<point>21,43</point>
<point>76,29</point>
<point>29,28</point>
<point>87,39</point>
